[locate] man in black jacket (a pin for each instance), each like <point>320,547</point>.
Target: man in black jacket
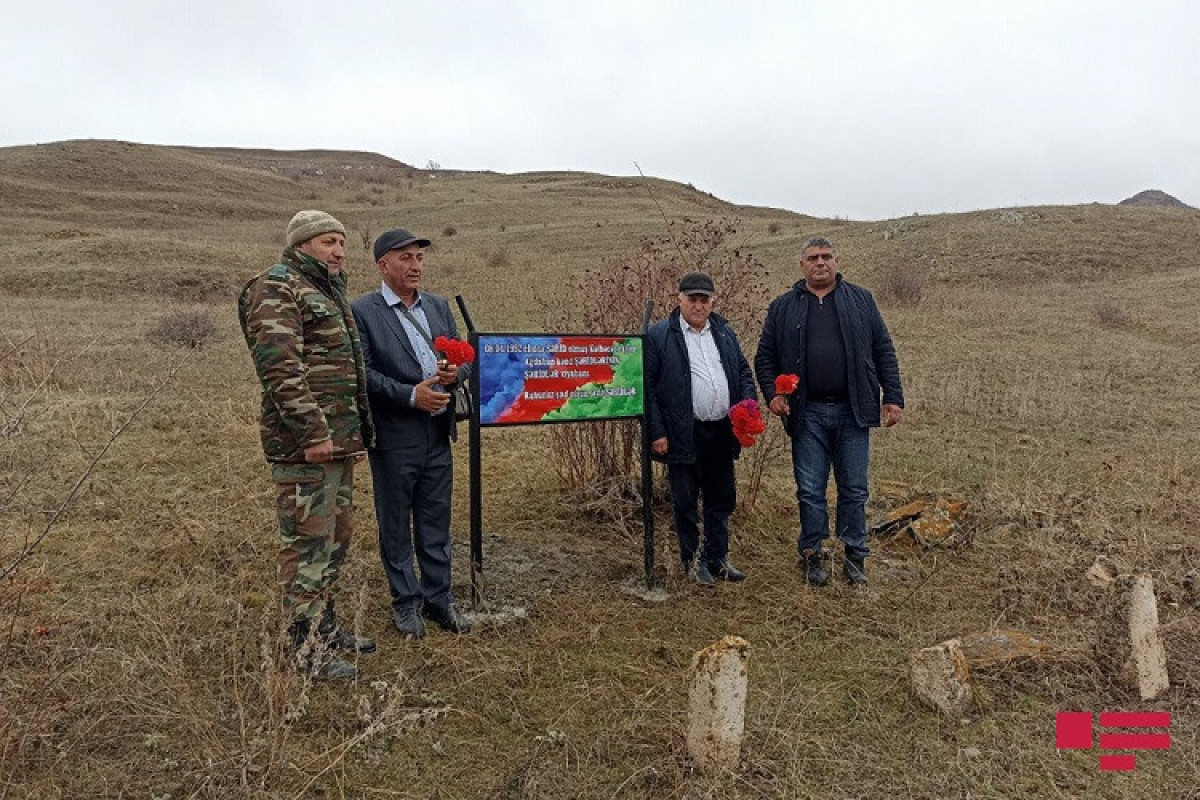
<point>830,334</point>
<point>695,371</point>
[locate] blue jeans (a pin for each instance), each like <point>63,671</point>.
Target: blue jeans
<point>828,436</point>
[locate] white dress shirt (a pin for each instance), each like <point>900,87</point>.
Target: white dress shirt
<point>420,344</point>
<point>710,388</point>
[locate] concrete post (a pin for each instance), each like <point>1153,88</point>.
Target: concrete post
<point>1129,643</point>
<point>717,705</point>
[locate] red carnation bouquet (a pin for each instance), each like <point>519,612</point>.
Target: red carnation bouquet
<point>747,421</point>
<point>456,351</point>
<point>786,383</point>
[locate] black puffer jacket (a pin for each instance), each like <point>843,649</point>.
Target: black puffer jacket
<point>871,364</point>
<point>669,383</point>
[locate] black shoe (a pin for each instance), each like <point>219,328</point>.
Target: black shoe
<point>311,654</point>
<point>337,637</point>
<point>726,571</point>
<point>814,573</point>
<point>855,570</point>
<point>703,576</point>
<point>448,619</point>
<point>408,622</point>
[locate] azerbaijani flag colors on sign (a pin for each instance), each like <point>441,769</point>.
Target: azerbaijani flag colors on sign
<point>527,379</point>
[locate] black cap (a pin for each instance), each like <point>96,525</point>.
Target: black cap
<point>697,283</point>
<point>394,239</point>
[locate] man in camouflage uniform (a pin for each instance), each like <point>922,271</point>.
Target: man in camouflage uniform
<point>315,424</point>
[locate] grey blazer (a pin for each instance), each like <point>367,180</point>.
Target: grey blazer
<point>393,369</point>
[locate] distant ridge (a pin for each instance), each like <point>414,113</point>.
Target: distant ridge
<point>1153,197</point>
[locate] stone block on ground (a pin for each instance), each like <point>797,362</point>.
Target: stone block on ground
<point>717,705</point>
<point>1129,642</point>
<point>941,677</point>
<point>931,522</point>
<point>1101,573</point>
<point>999,647</point>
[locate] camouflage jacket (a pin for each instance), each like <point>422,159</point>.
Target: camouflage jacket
<point>306,351</point>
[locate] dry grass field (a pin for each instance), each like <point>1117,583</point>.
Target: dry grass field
<point>1053,373</point>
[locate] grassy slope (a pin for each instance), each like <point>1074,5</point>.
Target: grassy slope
<point>1052,375</point>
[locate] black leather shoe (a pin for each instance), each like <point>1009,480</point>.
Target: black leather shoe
<point>726,571</point>
<point>337,637</point>
<point>855,570</point>
<point>703,576</point>
<point>448,619</point>
<point>408,622</point>
<point>814,573</point>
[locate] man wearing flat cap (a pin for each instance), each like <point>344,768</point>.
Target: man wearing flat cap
<point>695,371</point>
<point>411,465</point>
<point>314,424</point>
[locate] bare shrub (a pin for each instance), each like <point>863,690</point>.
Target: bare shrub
<point>449,230</point>
<point>773,228</point>
<point>1111,315</point>
<point>902,284</point>
<point>599,461</point>
<point>496,258</point>
<point>192,328</point>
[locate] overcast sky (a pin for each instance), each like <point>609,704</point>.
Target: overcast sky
<point>851,108</point>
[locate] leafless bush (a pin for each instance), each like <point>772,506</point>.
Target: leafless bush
<point>192,328</point>
<point>449,230</point>
<point>496,258</point>
<point>1111,315</point>
<point>902,284</point>
<point>600,459</point>
<point>773,228</point>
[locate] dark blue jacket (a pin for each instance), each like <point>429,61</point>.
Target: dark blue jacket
<point>669,383</point>
<point>871,365</point>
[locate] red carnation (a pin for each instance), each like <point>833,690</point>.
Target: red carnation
<point>456,351</point>
<point>747,421</point>
<point>786,383</point>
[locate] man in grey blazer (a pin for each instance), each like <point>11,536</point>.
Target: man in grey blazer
<point>411,466</point>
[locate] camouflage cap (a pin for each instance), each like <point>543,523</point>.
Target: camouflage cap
<point>307,224</point>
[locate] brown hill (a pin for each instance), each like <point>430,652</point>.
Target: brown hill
<point>1154,197</point>
<point>187,222</point>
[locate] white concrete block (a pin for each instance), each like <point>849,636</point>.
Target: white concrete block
<point>717,705</point>
<point>1129,644</point>
<point>1148,658</point>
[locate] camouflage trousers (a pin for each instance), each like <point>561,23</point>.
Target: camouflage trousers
<point>316,512</point>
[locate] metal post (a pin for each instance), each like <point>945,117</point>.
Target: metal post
<point>647,475</point>
<point>476,466</point>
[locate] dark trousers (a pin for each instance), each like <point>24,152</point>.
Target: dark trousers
<point>711,477</point>
<point>413,486</point>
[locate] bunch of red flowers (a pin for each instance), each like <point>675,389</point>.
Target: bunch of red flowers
<point>786,383</point>
<point>747,421</point>
<point>456,351</point>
